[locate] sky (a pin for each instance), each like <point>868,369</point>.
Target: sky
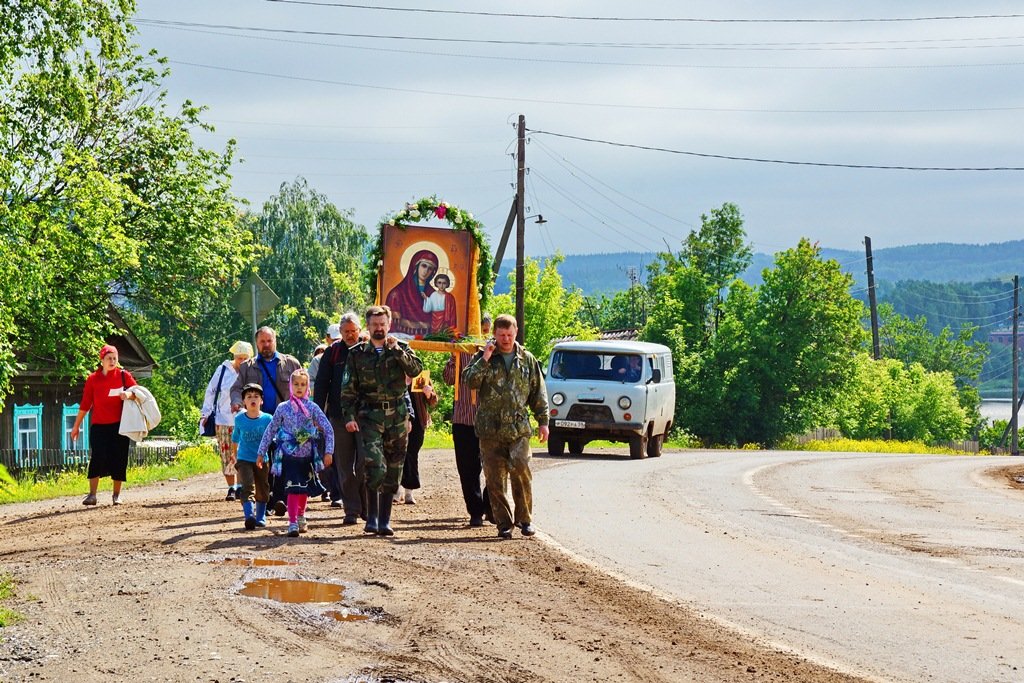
<point>421,99</point>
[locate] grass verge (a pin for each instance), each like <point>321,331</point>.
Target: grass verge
<point>188,463</point>
<point>874,446</point>
<point>7,615</point>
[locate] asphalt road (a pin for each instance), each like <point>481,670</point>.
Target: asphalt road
<point>897,567</point>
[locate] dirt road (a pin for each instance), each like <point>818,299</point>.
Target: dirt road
<point>141,592</point>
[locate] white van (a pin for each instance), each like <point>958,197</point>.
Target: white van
<point>611,390</point>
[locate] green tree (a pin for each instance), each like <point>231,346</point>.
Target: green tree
<point>689,287</point>
<point>105,195</point>
<point>887,399</point>
<point>312,260</point>
<point>911,341</point>
<point>550,310</point>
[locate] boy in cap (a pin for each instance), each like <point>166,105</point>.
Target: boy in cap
<point>253,473</point>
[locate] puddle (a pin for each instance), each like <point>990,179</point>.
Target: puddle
<point>255,562</point>
<point>345,615</point>
<point>293,590</point>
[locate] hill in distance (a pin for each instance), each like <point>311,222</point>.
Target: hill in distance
<point>597,274</point>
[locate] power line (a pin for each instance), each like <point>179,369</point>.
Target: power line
<point>722,47</point>
<point>773,161</point>
<point>591,62</point>
<point>369,175</point>
<point>609,105</point>
<point>551,152</point>
<point>696,20</point>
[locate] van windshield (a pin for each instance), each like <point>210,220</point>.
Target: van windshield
<point>590,365</point>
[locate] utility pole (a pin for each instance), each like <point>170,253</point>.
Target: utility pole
<point>521,229</point>
<point>1014,450</point>
<point>872,301</point>
<point>631,272</point>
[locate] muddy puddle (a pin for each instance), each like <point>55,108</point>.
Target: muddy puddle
<point>345,615</point>
<point>293,590</point>
<point>255,562</point>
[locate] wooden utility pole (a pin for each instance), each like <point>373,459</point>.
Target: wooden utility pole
<point>1014,450</point>
<point>872,301</point>
<point>521,230</point>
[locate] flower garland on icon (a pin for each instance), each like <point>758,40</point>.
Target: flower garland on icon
<point>426,209</point>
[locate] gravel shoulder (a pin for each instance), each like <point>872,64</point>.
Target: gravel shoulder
<point>142,591</point>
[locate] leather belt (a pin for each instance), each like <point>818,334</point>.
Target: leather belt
<point>382,405</point>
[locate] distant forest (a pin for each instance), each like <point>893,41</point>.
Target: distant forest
<point>950,285</point>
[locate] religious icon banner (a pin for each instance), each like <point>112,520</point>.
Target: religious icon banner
<point>427,280</point>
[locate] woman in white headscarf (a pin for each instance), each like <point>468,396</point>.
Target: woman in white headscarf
<point>217,406</point>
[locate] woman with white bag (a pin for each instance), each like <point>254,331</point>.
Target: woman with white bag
<point>104,394</point>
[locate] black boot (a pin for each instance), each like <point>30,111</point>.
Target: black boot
<point>371,512</point>
<point>384,520</point>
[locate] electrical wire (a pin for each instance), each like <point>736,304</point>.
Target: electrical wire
<point>550,151</point>
<point>370,175</point>
<point>603,63</point>
<point>631,239</point>
<point>774,161</point>
<point>522,15</point>
<point>977,300</point>
<point>723,47</point>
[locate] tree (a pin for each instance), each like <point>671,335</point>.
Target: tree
<point>312,261</point>
<point>550,310</point>
<point>105,195</point>
<point>689,286</point>
<point>911,341</point>
<point>804,329</point>
<point>888,399</point>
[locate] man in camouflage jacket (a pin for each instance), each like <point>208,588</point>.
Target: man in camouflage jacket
<point>374,409</point>
<point>511,386</point>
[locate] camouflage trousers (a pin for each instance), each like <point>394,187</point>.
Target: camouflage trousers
<point>506,461</point>
<point>382,448</point>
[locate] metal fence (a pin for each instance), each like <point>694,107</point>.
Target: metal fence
<point>46,461</point>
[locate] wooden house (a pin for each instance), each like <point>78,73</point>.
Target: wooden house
<point>40,412</point>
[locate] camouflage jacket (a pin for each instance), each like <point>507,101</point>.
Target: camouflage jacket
<point>507,396</point>
<point>373,379</point>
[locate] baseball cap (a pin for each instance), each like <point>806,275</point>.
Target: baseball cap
<point>252,386</point>
<point>334,331</point>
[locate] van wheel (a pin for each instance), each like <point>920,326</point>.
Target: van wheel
<point>638,447</point>
<point>556,444</point>
<point>654,445</point>
<point>576,446</point>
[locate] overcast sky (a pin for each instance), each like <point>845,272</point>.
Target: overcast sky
<point>373,122</point>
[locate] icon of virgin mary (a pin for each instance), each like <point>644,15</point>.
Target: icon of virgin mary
<point>406,298</point>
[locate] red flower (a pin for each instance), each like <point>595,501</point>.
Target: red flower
<point>440,211</point>
<point>419,336</point>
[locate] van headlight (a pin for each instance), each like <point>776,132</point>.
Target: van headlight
<point>624,402</point>
<point>558,398</point>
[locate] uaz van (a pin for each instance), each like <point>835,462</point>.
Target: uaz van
<point>611,390</point>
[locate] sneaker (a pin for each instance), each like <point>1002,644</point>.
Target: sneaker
<point>504,533</point>
<point>527,529</point>
<point>397,498</point>
<point>231,494</point>
<point>409,500</point>
<point>337,504</point>
<point>90,500</point>
<point>303,524</point>
<point>293,530</point>
<point>250,523</point>
<point>115,500</point>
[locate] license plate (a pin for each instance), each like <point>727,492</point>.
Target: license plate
<point>570,424</point>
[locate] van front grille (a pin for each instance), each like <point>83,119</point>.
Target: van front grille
<point>590,413</point>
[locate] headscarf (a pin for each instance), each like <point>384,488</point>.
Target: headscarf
<point>299,403</point>
<point>107,348</point>
<point>241,348</point>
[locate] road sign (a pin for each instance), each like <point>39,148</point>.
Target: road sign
<point>255,300</point>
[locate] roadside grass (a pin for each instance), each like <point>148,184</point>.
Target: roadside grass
<point>874,446</point>
<point>189,462</point>
<point>7,615</point>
